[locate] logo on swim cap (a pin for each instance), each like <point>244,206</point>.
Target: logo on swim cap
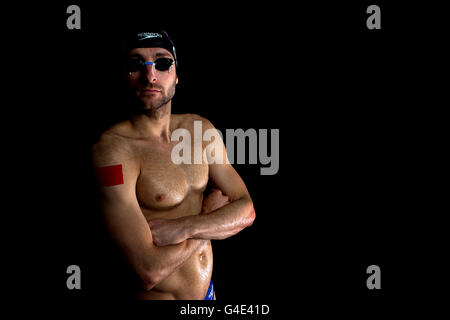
<point>147,35</point>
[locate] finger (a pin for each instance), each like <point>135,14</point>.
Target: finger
<point>216,191</point>
<point>156,221</point>
<point>158,241</point>
<point>152,223</point>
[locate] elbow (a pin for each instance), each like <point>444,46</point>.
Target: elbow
<point>251,215</point>
<point>149,279</point>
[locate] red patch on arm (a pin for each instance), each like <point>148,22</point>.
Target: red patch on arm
<point>110,175</point>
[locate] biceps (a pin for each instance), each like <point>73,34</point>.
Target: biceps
<point>225,177</point>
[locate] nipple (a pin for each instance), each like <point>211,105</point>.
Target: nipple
<point>160,197</point>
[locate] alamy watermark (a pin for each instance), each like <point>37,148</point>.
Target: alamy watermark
<point>214,152</point>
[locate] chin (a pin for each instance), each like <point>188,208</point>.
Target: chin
<point>148,103</point>
<point>151,106</point>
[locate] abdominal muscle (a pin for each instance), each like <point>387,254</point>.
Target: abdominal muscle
<point>192,279</point>
<point>189,282</point>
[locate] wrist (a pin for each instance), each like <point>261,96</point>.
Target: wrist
<point>187,228</point>
<point>192,226</point>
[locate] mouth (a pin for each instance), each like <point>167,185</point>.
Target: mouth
<point>149,90</point>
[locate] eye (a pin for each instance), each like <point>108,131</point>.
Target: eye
<point>135,64</point>
<point>163,64</point>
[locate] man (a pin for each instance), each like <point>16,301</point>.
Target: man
<point>155,209</point>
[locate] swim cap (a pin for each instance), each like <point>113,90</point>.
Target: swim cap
<point>150,40</point>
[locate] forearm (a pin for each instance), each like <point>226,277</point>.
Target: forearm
<point>221,223</point>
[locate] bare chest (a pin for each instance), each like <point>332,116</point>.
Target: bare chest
<point>162,184</point>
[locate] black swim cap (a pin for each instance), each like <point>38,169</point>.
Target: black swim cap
<point>150,40</point>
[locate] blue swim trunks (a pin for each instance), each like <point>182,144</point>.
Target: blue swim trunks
<point>210,293</point>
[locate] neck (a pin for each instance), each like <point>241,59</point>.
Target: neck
<point>154,123</point>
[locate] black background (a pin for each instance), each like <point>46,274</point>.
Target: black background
<point>353,186</point>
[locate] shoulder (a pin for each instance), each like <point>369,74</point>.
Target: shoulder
<point>189,120</point>
<point>109,149</point>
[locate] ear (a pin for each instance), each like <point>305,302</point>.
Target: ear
<point>176,80</point>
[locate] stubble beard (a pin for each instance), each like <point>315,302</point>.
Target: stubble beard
<point>158,107</point>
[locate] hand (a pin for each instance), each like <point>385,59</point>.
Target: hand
<point>166,232</point>
<point>215,200</point>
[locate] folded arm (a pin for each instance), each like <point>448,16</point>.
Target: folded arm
<point>225,221</point>
<point>219,223</point>
<point>129,228</point>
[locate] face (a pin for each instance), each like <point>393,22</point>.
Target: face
<point>152,87</point>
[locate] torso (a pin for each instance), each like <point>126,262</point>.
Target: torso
<point>169,191</point>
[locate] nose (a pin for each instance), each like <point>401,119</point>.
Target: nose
<point>150,72</point>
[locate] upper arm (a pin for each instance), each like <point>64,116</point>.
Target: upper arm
<point>222,174</point>
<point>122,214</point>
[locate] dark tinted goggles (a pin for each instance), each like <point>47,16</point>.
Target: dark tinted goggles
<point>160,64</point>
